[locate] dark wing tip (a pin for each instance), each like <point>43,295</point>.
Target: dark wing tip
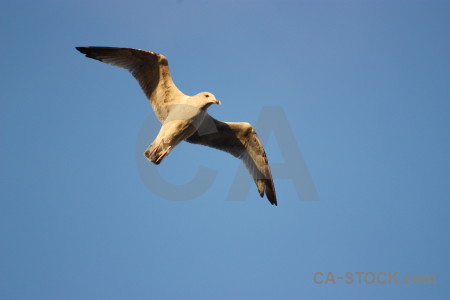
<point>273,201</point>
<point>270,193</point>
<point>265,186</point>
<point>87,51</point>
<point>82,49</point>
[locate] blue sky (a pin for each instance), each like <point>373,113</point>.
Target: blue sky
<point>364,86</point>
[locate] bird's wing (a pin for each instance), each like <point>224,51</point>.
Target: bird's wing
<point>149,68</point>
<point>240,140</point>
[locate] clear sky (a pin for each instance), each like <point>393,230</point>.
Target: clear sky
<point>363,86</point>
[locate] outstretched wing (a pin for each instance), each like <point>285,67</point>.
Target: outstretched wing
<point>149,68</point>
<point>240,140</point>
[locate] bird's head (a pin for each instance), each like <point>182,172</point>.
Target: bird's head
<point>204,100</point>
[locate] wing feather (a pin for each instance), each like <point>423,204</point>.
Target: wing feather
<point>150,69</point>
<point>241,141</point>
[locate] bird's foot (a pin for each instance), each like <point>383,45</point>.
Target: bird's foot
<point>161,156</point>
<point>154,156</point>
<point>151,154</point>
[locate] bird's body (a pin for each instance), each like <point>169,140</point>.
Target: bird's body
<point>185,117</point>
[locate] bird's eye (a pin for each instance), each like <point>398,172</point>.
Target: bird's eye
<point>206,95</point>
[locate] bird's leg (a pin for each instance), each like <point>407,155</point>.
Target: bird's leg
<point>149,154</point>
<point>155,149</point>
<point>163,155</point>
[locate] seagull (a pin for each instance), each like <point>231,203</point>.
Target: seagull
<point>185,118</point>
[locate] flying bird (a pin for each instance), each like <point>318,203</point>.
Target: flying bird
<point>185,118</point>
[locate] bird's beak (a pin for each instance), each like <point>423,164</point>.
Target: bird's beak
<point>217,101</point>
